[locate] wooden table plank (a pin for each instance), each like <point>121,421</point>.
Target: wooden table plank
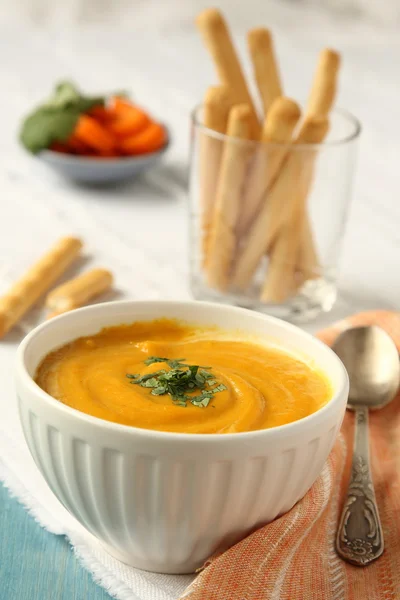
<point>37,564</point>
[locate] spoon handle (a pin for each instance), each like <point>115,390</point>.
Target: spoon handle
<point>359,539</point>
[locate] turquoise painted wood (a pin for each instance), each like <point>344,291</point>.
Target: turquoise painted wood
<point>37,565</point>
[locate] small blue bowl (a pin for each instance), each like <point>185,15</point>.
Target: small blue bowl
<point>88,169</point>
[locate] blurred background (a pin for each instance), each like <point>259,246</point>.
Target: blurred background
<point>148,12</point>
<point>152,49</point>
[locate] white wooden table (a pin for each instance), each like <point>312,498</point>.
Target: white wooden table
<point>140,230</point>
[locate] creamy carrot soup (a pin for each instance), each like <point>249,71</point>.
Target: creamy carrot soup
<point>170,376</point>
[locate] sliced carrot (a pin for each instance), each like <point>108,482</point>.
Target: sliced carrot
<point>101,113</point>
<point>59,147</point>
<point>75,145</point>
<point>129,119</point>
<point>93,134</point>
<point>120,104</point>
<point>132,121</point>
<point>149,140</point>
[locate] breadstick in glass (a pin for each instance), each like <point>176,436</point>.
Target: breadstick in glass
<point>38,279</point>
<point>278,128</point>
<point>307,263</point>
<point>281,275</point>
<point>217,104</point>
<point>323,90</point>
<point>217,39</point>
<point>265,67</point>
<point>285,199</point>
<point>320,102</point>
<point>230,183</point>
<point>280,281</point>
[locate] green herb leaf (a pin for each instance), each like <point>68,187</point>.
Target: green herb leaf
<point>47,125</point>
<point>142,379</point>
<point>152,382</point>
<point>67,95</point>
<point>179,382</point>
<point>64,94</point>
<point>219,388</point>
<point>55,119</point>
<point>176,363</point>
<point>159,390</point>
<point>154,359</point>
<point>193,370</point>
<point>202,399</point>
<point>180,402</point>
<point>205,373</point>
<point>200,380</point>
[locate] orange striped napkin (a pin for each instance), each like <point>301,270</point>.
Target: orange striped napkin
<point>294,558</point>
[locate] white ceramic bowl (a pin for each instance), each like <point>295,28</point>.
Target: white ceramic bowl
<point>164,501</point>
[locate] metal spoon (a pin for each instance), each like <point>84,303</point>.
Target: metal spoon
<point>372,362</point>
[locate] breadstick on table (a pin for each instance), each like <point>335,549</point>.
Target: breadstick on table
<point>323,90</point>
<point>285,200</point>
<point>230,183</point>
<point>38,279</point>
<point>78,291</point>
<point>278,128</point>
<point>265,67</point>
<point>57,313</point>
<point>217,104</point>
<point>216,36</point>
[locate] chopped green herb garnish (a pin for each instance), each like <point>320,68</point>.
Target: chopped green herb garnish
<point>219,388</point>
<point>205,373</point>
<point>176,363</point>
<point>180,403</point>
<point>179,382</point>
<point>154,359</point>
<point>204,398</point>
<point>143,378</point>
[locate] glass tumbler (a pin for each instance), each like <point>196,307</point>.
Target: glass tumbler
<point>267,220</point>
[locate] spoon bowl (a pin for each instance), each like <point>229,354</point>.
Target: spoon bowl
<point>372,362</point>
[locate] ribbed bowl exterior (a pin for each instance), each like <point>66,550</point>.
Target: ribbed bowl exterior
<point>166,502</point>
<point>169,511</point>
